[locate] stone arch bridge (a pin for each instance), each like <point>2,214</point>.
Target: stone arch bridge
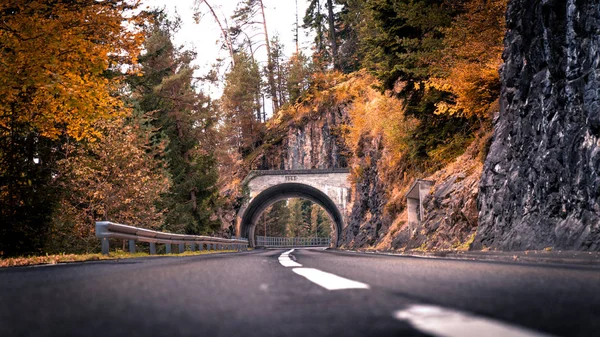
<point>329,188</point>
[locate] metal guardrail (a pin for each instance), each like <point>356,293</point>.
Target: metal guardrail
<point>108,230</point>
<point>270,241</point>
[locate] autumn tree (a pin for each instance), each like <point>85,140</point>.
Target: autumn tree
<point>299,71</point>
<point>471,59</point>
<point>247,15</point>
<point>225,34</point>
<point>118,178</point>
<point>55,63</point>
<point>315,20</point>
<point>185,121</point>
<point>324,22</point>
<point>274,219</point>
<point>299,224</point>
<point>320,222</point>
<point>401,40</point>
<point>349,21</point>
<point>279,70</point>
<point>241,109</point>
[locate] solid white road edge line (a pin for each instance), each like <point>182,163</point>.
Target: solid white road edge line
<point>286,261</point>
<point>444,322</point>
<point>329,281</point>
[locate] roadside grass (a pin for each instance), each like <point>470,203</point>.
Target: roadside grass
<point>465,245</point>
<point>113,255</point>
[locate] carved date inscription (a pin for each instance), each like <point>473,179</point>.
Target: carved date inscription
<point>291,178</point>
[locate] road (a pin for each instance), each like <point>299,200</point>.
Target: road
<point>304,292</point>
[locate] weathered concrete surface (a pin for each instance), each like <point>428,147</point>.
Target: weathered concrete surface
<point>540,185</point>
<point>414,201</point>
<point>329,188</point>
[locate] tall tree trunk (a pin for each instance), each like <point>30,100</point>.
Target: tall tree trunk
<point>332,37</point>
<point>223,31</point>
<point>297,36</point>
<point>257,98</point>
<point>270,70</point>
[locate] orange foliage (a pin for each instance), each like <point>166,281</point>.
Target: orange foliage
<point>472,58</point>
<point>53,61</point>
<point>370,111</point>
<point>117,178</point>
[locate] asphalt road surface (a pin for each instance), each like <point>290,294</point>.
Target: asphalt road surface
<point>304,292</point>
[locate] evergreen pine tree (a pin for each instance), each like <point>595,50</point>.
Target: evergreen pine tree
<point>185,120</point>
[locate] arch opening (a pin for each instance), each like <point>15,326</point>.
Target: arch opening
<point>279,192</point>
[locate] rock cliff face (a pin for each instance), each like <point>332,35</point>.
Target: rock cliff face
<point>450,210</point>
<point>316,142</point>
<point>368,221</point>
<point>312,143</point>
<point>540,185</point>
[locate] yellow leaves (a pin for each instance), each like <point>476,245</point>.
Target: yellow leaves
<point>115,177</point>
<point>475,86</point>
<point>53,64</point>
<point>472,57</point>
<point>371,112</point>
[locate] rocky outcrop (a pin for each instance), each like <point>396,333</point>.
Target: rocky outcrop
<point>450,209</point>
<point>540,185</point>
<point>368,221</point>
<point>313,142</point>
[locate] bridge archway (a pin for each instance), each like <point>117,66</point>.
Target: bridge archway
<point>285,191</point>
<point>327,188</point>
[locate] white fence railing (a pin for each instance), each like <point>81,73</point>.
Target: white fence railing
<point>108,230</point>
<point>270,241</point>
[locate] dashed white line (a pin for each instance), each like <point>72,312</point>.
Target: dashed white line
<point>433,320</point>
<point>329,281</point>
<point>326,280</point>
<point>444,322</point>
<point>286,261</point>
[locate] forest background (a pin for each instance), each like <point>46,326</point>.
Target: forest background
<point>101,116</point>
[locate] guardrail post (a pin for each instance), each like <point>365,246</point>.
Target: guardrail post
<point>132,246</point>
<point>152,248</point>
<point>168,248</point>
<point>181,248</point>
<point>105,246</point>
<point>200,246</point>
<point>193,247</point>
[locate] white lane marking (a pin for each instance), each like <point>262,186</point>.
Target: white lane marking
<point>286,261</point>
<point>329,281</point>
<point>444,322</point>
